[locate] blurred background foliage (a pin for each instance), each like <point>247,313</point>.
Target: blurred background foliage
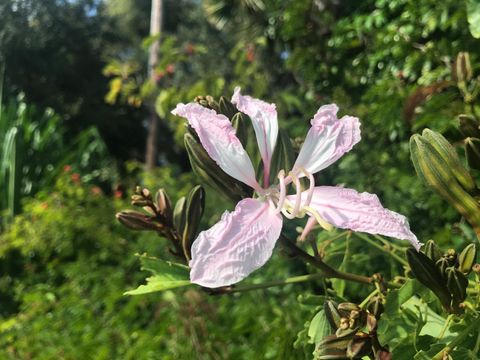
<point>73,114</point>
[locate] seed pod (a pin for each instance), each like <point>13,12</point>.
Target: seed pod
<point>425,271</point>
<point>469,127</point>
<point>333,315</point>
<point>137,221</point>
<point>457,284</point>
<point>359,347</point>
<point>194,211</point>
<point>432,250</point>
<point>472,151</point>
<point>467,259</point>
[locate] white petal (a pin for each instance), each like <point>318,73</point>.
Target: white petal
<point>349,209</point>
<point>265,124</point>
<point>217,136</point>
<point>327,140</point>
<point>241,242</point>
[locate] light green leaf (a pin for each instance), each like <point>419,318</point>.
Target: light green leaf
<point>166,275</point>
<point>319,327</point>
<point>473,15</point>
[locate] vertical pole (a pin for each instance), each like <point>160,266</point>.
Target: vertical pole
<point>152,134</point>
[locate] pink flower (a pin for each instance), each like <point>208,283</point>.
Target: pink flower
<point>243,240</point>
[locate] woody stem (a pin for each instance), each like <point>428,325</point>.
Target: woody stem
<point>326,269</point>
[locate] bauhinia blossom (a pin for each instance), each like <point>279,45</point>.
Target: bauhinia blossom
<point>243,240</point>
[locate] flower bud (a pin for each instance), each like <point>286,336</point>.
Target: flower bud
<point>359,347</point>
<point>467,258</point>
<point>457,284</point>
<point>164,205</point>
<point>137,221</point>
<point>462,68</point>
<point>425,271</point>
<point>432,250</point>
<point>332,313</point>
<point>193,213</point>
<point>443,173</point>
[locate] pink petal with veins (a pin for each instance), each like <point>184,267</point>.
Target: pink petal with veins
<point>217,136</point>
<point>241,242</point>
<point>349,209</point>
<point>265,124</point>
<point>328,139</point>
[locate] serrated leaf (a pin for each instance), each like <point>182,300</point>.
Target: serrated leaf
<point>166,275</point>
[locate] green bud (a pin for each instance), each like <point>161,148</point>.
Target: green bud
<point>467,258</point>
<point>347,306</point>
<point>457,284</point>
<point>472,152</point>
<point>462,69</point>
<point>432,250</point>
<point>164,205</point>
<point>425,271</point>
<point>331,312</point>
<point>205,168</point>
<point>137,221</point>
<point>194,210</point>
<point>450,157</point>
<point>469,126</point>
<point>437,173</point>
<point>180,215</point>
<point>451,256</point>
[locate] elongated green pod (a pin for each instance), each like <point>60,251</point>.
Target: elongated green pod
<point>435,172</point>
<point>467,258</point>
<point>450,156</point>
<point>194,211</point>
<point>457,284</point>
<point>210,173</point>
<point>180,215</point>
<point>432,250</point>
<point>425,271</point>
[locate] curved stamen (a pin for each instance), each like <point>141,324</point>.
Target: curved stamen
<point>311,180</point>
<point>298,198</point>
<point>324,224</point>
<point>285,211</point>
<point>283,191</point>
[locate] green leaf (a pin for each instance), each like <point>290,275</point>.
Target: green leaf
<point>319,327</point>
<point>166,275</point>
<point>473,15</point>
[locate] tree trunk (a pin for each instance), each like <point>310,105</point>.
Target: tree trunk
<point>152,135</point>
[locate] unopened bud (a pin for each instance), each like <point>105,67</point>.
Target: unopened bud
<point>467,258</point>
<point>137,221</point>
<point>432,250</point>
<point>164,205</point>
